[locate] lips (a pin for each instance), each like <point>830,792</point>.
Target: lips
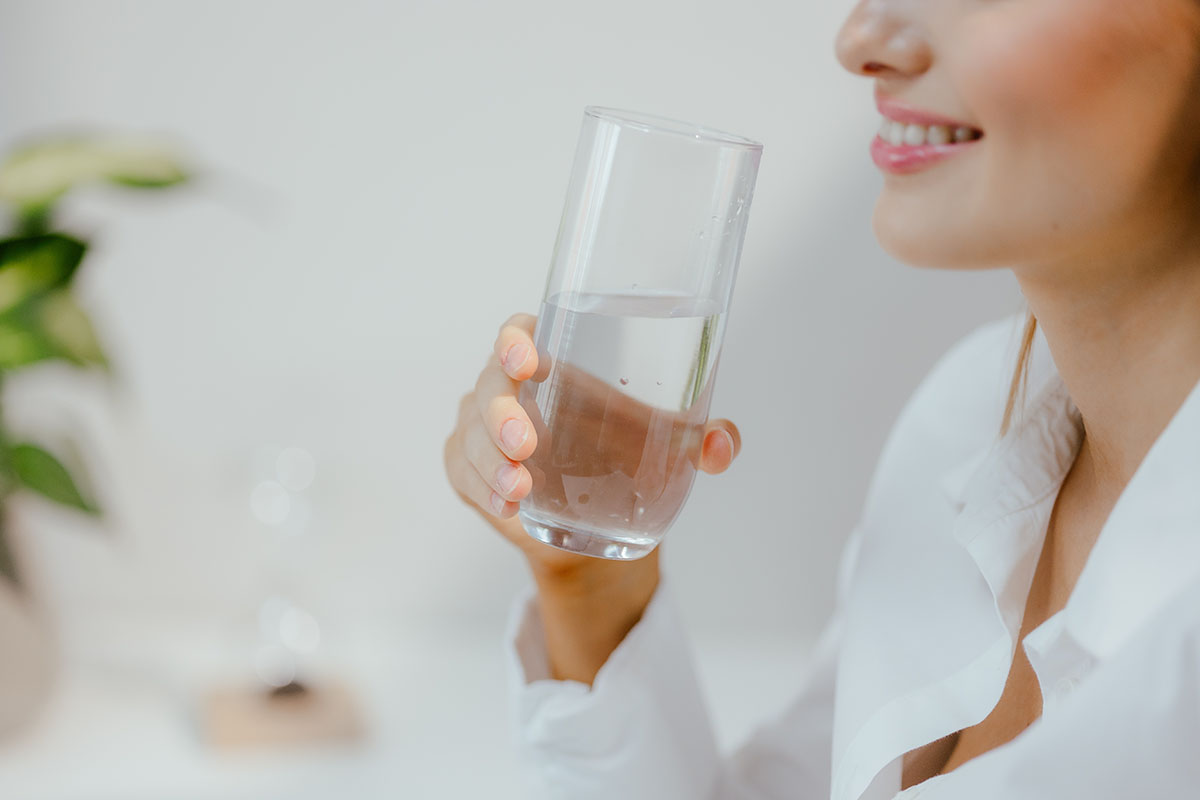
<point>902,112</point>
<point>912,138</point>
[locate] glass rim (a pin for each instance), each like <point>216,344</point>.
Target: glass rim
<point>653,123</point>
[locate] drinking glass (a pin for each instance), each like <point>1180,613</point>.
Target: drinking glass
<point>630,328</point>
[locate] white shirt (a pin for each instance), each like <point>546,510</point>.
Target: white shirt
<point>931,592</point>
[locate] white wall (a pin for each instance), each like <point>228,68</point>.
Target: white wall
<point>382,188</point>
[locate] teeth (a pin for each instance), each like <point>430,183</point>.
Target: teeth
<point>914,135</point>
<point>898,133</point>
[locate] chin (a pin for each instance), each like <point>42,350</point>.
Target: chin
<point>919,244</point>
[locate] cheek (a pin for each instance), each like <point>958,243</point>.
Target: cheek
<point>1016,68</point>
<point>1046,67</point>
<point>1077,105</point>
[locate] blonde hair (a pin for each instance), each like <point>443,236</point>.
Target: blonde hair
<point>1016,391</point>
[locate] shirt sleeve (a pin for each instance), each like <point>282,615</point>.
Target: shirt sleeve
<point>642,729</point>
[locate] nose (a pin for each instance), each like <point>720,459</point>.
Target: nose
<point>881,38</point>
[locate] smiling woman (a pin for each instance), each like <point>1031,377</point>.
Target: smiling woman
<point>1018,609</point>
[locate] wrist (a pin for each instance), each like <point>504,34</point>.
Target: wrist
<point>590,578</point>
<point>587,612</point>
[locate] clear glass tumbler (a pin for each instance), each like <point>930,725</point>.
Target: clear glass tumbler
<point>630,328</point>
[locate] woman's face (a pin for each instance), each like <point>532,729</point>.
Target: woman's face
<point>1090,120</point>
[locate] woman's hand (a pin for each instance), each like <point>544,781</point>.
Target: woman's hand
<point>587,605</point>
<point>494,435</point>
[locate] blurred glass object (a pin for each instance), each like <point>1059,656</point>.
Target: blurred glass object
<point>287,632</point>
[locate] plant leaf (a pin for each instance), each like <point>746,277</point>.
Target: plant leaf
<point>68,329</point>
<point>35,176</point>
<point>38,470</point>
<point>31,266</point>
<point>49,327</point>
<point>148,181</point>
<point>140,164</point>
<point>21,345</point>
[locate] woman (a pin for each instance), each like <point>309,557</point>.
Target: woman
<point>1018,616</point>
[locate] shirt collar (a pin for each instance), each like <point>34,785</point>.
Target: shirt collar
<point>1004,503</point>
<point>1148,549</point>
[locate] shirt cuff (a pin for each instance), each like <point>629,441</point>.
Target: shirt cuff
<point>641,724</point>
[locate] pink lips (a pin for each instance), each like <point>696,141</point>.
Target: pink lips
<point>904,158</point>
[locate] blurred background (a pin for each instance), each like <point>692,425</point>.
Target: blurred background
<point>371,189</point>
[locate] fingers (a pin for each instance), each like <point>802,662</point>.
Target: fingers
<point>503,476</point>
<point>514,347</point>
<point>503,418</point>
<point>493,432</point>
<point>722,442</point>
<point>471,486</point>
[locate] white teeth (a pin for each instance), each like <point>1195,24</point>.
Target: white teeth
<point>898,133</point>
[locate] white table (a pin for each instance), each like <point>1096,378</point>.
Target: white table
<point>122,721</point>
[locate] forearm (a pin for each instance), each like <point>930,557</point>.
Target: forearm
<point>586,613</point>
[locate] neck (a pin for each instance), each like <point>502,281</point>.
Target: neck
<point>1125,336</point>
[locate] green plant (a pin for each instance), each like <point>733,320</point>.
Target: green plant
<point>40,319</point>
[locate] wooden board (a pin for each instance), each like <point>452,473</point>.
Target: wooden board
<point>240,718</point>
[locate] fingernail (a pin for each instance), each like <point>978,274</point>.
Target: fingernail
<point>513,433</point>
<point>516,357</point>
<point>507,477</point>
<point>729,438</point>
<point>497,503</point>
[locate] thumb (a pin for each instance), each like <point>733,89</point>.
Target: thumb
<point>720,445</point>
